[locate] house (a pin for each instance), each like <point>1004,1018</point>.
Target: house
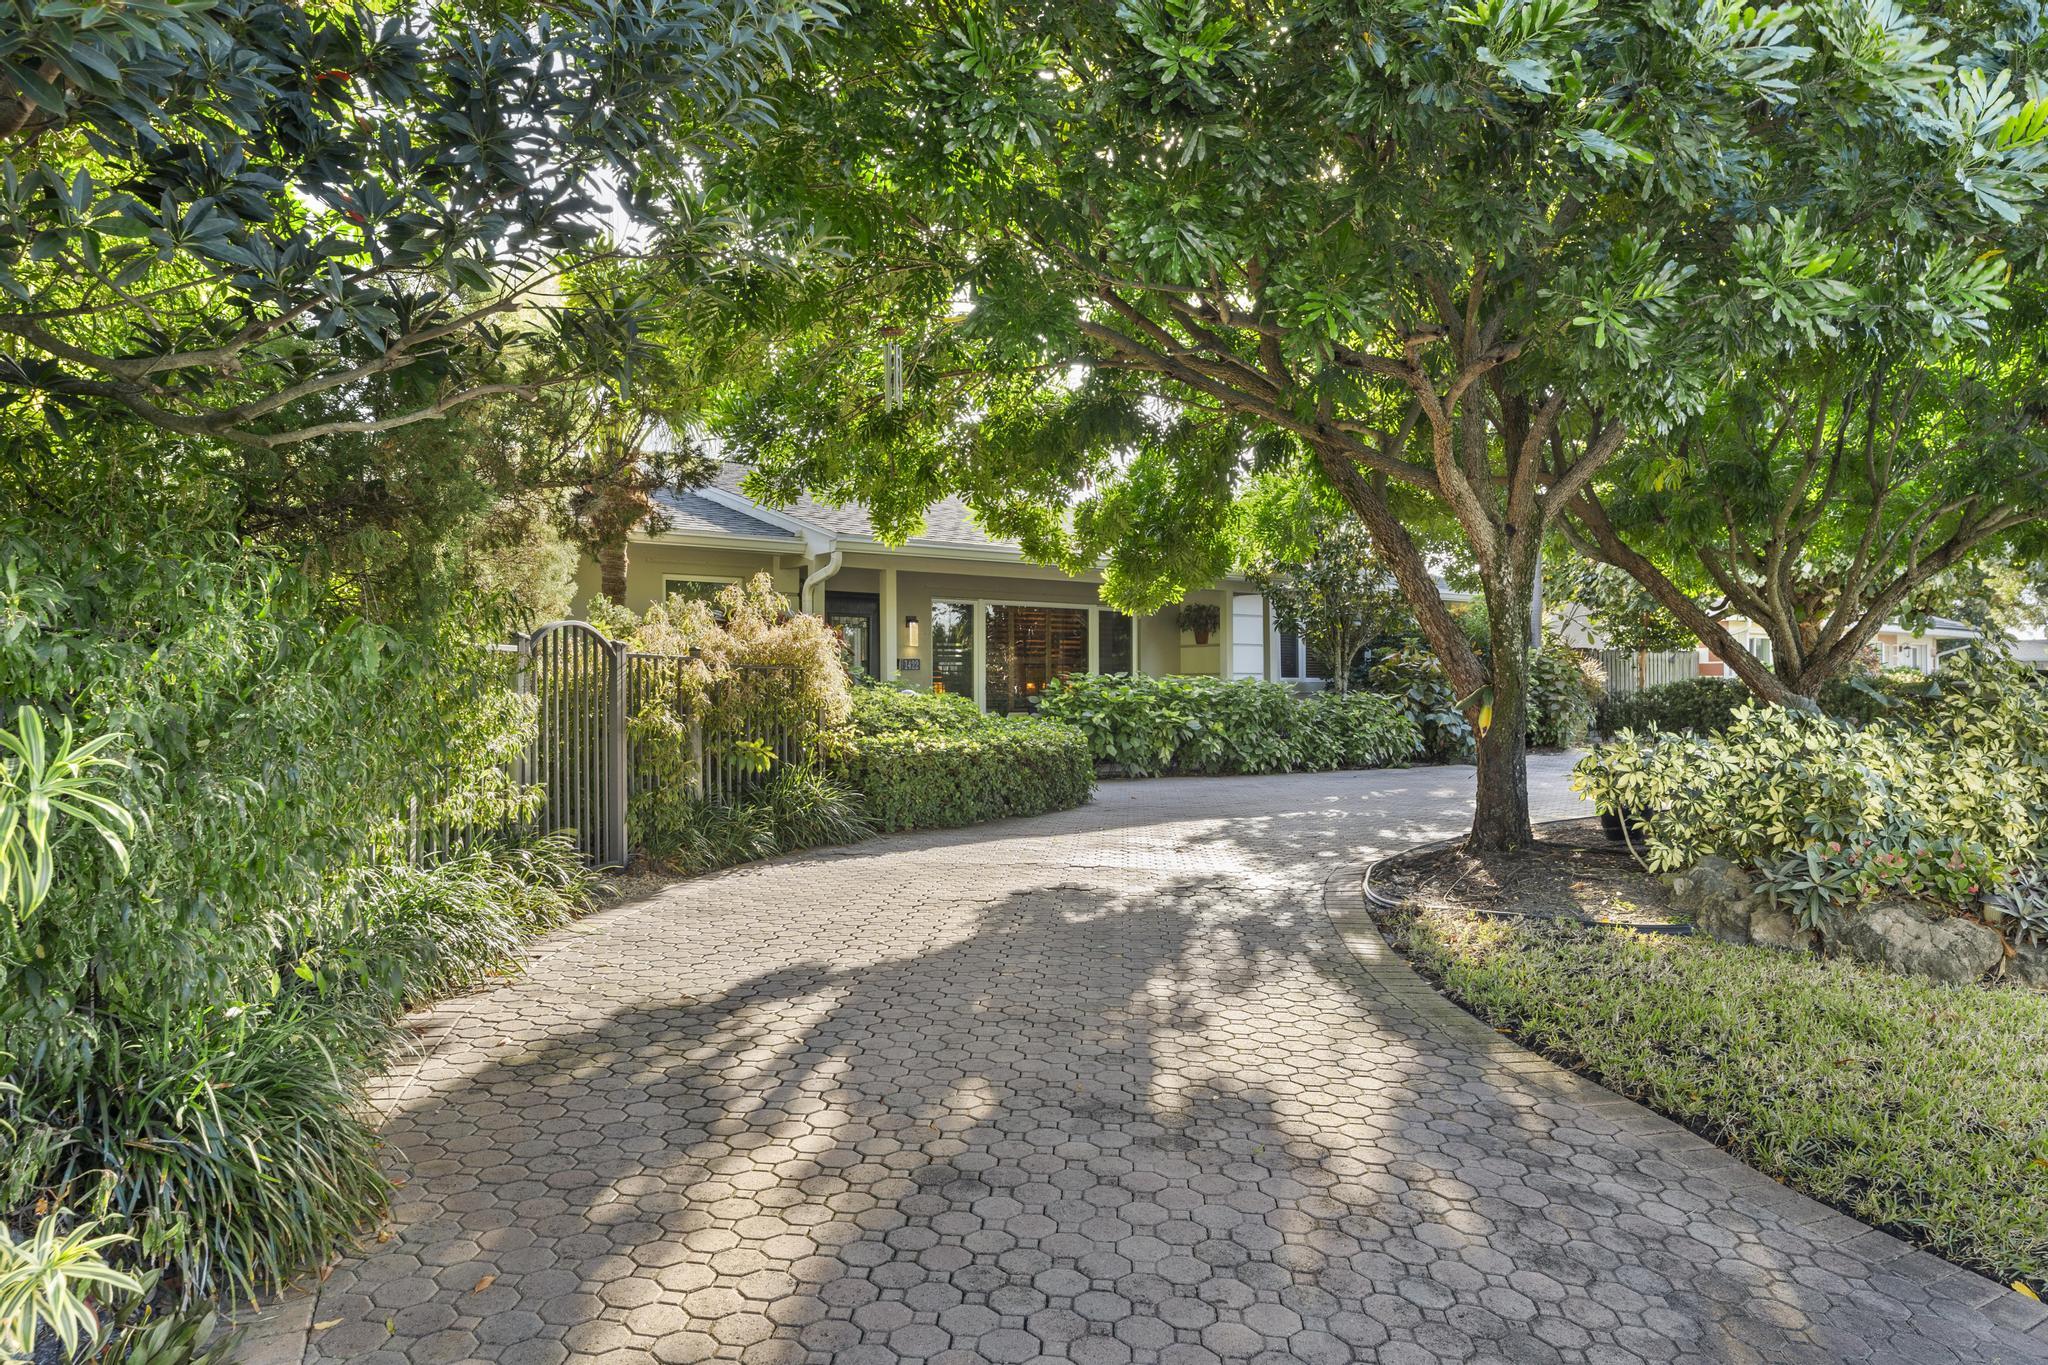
<point>1629,670</point>
<point>953,609</point>
<point>1892,647</point>
<point>2030,647</point>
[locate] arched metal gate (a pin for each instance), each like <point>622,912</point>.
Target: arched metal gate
<point>577,756</point>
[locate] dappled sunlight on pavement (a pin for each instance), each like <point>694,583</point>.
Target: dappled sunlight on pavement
<point>1111,1085</point>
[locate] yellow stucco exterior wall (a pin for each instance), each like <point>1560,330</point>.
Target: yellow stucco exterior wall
<point>920,580</point>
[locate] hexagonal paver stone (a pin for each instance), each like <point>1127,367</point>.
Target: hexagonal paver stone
<point>1134,1082</point>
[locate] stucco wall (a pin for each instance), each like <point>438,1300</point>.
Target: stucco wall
<point>647,564</point>
<point>1162,647</point>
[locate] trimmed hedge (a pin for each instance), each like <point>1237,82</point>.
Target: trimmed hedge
<point>1150,725</point>
<point>1691,706</point>
<point>928,761</point>
<point>1707,706</point>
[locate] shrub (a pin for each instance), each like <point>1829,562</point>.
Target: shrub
<point>1707,706</point>
<point>235,1141</point>
<point>797,808</point>
<point>418,933</point>
<point>1413,676</point>
<point>1950,804</point>
<point>1887,694</point>
<point>806,809</point>
<point>189,1017</point>
<point>1352,730</point>
<point>887,710</point>
<point>692,837</point>
<point>1147,725</point>
<point>1563,687</point>
<point>746,671</point>
<point>1692,706</point>
<point>934,765</point>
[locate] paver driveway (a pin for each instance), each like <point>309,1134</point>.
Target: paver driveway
<point>1113,1085</point>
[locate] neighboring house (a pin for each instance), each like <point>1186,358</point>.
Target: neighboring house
<point>2030,647</point>
<point>1628,670</point>
<point>952,610</point>
<point>1894,646</point>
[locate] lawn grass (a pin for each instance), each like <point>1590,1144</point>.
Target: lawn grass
<point>1917,1108</point>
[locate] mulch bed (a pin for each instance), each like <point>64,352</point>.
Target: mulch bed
<point>1572,872</point>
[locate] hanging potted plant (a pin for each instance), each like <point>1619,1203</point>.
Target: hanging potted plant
<point>1200,618</point>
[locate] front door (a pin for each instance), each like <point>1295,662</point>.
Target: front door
<point>857,618</point>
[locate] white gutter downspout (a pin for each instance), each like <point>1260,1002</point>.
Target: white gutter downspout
<point>817,577</point>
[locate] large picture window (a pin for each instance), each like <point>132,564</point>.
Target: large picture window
<point>953,648</point>
<point>1027,648</point>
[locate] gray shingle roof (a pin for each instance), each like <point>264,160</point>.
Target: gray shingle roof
<point>947,523</point>
<point>694,514</point>
<point>1942,625</point>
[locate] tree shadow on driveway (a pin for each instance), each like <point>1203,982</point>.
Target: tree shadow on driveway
<point>986,1104</point>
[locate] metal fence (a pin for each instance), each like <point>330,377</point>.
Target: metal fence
<point>589,758</point>
<point>1630,670</point>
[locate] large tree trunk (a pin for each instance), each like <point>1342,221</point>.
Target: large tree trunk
<point>1500,814</point>
<point>611,568</point>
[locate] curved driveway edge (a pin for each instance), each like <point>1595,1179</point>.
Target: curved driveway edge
<point>1112,1085</point>
<point>1896,1274</point>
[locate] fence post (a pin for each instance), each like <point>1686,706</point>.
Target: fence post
<point>697,755</point>
<point>525,765</point>
<point>616,748</point>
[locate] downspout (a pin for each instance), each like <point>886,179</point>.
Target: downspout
<point>814,601</point>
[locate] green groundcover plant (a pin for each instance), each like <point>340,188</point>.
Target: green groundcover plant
<point>796,808</point>
<point>215,922</point>
<point>1147,725</point>
<point>932,761</point>
<point>1918,1108</point>
<point>1946,800</point>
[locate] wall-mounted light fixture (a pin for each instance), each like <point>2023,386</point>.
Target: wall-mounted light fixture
<point>910,631</point>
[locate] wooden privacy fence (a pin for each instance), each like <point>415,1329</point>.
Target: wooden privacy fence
<point>585,759</point>
<point>1630,670</point>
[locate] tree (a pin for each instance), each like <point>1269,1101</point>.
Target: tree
<point>1998,595</point>
<point>265,224</point>
<point>1337,596</point>
<point>1449,257</point>
<point>1614,608</point>
<point>1824,503</point>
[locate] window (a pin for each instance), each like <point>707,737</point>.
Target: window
<point>1113,655</point>
<point>694,589</point>
<point>953,647</point>
<point>1027,648</point>
<point>1760,645</point>
<point>1290,654</point>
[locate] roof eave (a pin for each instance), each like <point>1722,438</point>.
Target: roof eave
<point>722,540</point>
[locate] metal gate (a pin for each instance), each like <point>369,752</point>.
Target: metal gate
<point>583,756</point>
<point>577,756</point>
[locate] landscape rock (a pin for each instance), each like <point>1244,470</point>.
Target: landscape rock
<point>1773,928</point>
<point>2029,966</point>
<point>1716,893</point>
<point>1907,939</point>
